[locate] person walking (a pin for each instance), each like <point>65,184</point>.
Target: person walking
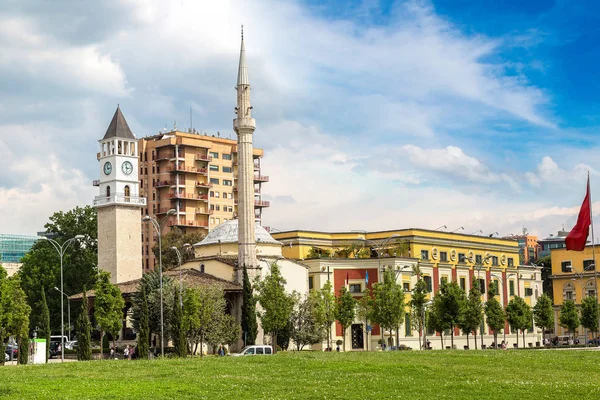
<point>126,353</point>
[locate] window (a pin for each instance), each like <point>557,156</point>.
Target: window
<point>355,288</point>
<point>427,280</point>
<point>461,257</point>
<point>217,195</point>
<point>444,279</point>
<point>214,168</point>
<point>214,181</point>
<point>511,262</point>
<point>212,221</point>
<point>213,154</point>
<point>218,221</point>
<point>478,259</point>
<point>230,209</point>
<point>267,349</point>
<point>108,191</point>
<point>528,291</point>
<point>511,288</point>
<point>424,255</point>
<point>407,325</point>
<point>588,265</point>
<point>482,285</point>
<point>443,256</point>
<point>226,169</point>
<point>406,286</point>
<point>260,350</point>
<point>212,207</point>
<point>494,260</point>
<point>566,266</point>
<point>311,283</point>
<point>227,182</point>
<point>212,194</point>
<point>250,351</point>
<point>202,268</point>
<point>218,207</point>
<point>127,191</point>
<point>463,283</point>
<point>569,295</point>
<point>226,156</point>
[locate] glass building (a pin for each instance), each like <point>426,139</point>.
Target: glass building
<point>14,247</point>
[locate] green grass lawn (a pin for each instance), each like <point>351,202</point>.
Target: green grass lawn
<point>317,375</point>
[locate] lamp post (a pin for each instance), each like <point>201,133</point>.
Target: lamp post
<point>185,246</point>
<point>61,248</point>
<point>158,226</point>
<point>427,304</point>
<point>68,310</point>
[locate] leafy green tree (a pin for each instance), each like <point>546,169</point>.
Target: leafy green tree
<point>249,323</point>
<point>276,304</point>
<point>44,321</point>
<point>284,336</point>
<point>14,310</point>
<point>543,313</point>
<point>519,315</point>
<point>327,308</point>
<point>345,311</point>
<point>546,264</point>
<point>435,317</point>
<point>41,265</point>
<point>453,300</point>
<point>176,238</point>
<point>364,310</point>
<point>306,327</point>
<point>418,304</point>
<point>589,313</point>
<point>470,317</point>
<point>202,306</point>
<point>223,330</point>
<point>316,252</point>
<point>150,286</point>
<point>24,350</point>
<point>84,331</point>
<point>143,337</point>
<point>388,303</point>
<point>177,327</point>
<point>569,316</point>
<point>108,306</point>
<point>495,317</point>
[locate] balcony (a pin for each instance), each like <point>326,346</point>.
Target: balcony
<point>168,156</point>
<point>96,182</point>
<point>203,212</point>
<point>183,168</point>
<point>261,203</point>
<point>119,198</point>
<point>204,185</point>
<point>235,189</point>
<point>188,196</point>
<point>195,224</point>
<point>261,178</point>
<point>160,184</point>
<point>203,158</point>
<point>163,210</point>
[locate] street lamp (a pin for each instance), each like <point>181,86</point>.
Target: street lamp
<point>458,229</point>
<point>158,226</point>
<point>185,246</point>
<point>477,231</point>
<point>61,248</point>
<point>440,227</point>
<point>68,310</point>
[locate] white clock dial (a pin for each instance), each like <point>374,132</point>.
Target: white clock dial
<point>107,168</point>
<point>127,168</point>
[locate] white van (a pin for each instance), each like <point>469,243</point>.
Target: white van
<point>255,350</point>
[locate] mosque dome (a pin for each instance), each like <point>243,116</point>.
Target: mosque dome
<point>227,232</point>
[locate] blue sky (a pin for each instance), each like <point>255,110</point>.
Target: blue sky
<point>373,114</point>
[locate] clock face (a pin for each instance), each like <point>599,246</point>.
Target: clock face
<point>107,168</point>
<point>127,168</point>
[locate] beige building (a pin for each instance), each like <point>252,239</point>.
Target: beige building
<point>196,175</point>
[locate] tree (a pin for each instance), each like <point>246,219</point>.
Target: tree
<point>143,338</point>
<point>327,309</point>
<point>569,317</point>
<point>84,332</point>
<point>276,304</point>
<point>364,310</point>
<point>223,330</point>
<point>452,299</point>
<point>284,336</point>
<point>435,317</point>
<point>177,328</point>
<point>176,238</point>
<point>202,306</point>
<point>417,305</point>
<point>41,264</point>
<point>495,317</point>
<point>543,313</point>
<point>306,326</point>
<point>470,317</point>
<point>44,321</point>
<point>546,264</point>
<point>316,252</point>
<point>108,307</point>
<point>345,311</point>
<point>388,303</point>
<point>519,315</point>
<point>249,324</point>
<point>14,310</point>
<point>589,313</point>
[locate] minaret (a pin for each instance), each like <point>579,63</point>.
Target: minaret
<point>244,126</point>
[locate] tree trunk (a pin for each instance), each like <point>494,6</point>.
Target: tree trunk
<point>523,332</point>
<point>421,338</point>
<point>274,341</point>
<point>495,340</point>
<point>201,346</point>
<point>344,338</point>
<point>517,338</point>
<point>467,339</point>
<point>442,339</point>
<point>101,345</point>
<point>452,337</point>
<point>475,339</point>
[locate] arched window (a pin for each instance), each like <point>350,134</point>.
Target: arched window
<point>108,191</point>
<point>569,291</point>
<point>202,268</point>
<point>127,191</point>
<point>590,288</point>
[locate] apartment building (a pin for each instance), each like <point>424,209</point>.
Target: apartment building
<point>195,175</point>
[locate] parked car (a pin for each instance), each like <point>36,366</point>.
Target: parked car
<point>12,349</point>
<point>254,350</point>
<point>71,345</point>
<point>54,349</point>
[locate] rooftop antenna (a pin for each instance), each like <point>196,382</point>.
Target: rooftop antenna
<point>191,125</point>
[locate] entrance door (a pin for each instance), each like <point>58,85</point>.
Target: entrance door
<point>357,336</point>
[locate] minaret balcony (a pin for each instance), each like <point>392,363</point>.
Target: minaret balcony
<point>203,158</point>
<point>188,196</point>
<point>96,182</point>
<point>261,178</point>
<point>119,198</point>
<point>183,168</point>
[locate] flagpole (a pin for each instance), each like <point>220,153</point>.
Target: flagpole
<point>593,248</point>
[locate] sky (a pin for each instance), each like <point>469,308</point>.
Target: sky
<point>373,115</point>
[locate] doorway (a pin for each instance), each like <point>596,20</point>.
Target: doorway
<point>357,336</point>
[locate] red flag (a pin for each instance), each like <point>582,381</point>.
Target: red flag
<point>577,238</point>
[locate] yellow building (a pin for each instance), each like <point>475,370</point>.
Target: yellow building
<point>440,256</point>
<point>573,278</point>
<point>194,174</point>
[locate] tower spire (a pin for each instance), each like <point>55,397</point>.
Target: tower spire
<point>243,68</point>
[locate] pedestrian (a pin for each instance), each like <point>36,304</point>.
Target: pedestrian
<point>221,351</point>
<point>112,352</point>
<point>126,352</point>
<point>132,353</point>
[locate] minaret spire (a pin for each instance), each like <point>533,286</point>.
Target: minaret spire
<point>244,126</point>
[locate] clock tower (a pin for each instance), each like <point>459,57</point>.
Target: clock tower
<point>119,203</point>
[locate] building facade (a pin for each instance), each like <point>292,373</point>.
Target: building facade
<point>552,242</point>
<point>12,249</point>
<point>574,277</point>
<point>440,256</point>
